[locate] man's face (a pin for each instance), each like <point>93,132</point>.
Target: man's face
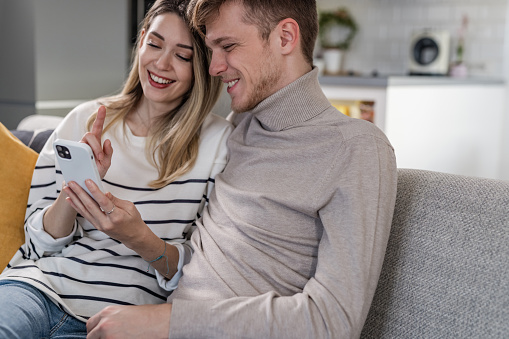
<point>246,63</point>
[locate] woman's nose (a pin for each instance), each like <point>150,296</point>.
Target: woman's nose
<point>164,62</point>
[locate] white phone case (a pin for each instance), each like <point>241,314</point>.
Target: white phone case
<point>77,162</point>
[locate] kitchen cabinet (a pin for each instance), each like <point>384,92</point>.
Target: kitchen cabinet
<point>435,123</point>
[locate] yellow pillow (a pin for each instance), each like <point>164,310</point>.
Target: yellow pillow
<point>17,163</point>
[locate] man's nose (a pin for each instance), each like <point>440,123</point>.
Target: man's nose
<point>217,64</point>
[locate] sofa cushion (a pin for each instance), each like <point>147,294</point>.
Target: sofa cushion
<point>17,162</point>
<point>446,268</point>
<point>33,139</point>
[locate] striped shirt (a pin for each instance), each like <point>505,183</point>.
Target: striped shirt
<point>87,270</point>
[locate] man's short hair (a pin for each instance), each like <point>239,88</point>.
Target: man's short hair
<point>265,14</point>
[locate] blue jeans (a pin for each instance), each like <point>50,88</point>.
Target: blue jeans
<point>25,312</point>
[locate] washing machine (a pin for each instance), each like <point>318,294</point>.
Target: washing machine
<point>429,52</point>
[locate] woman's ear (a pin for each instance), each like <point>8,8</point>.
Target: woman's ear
<point>289,34</point>
<point>142,36</point>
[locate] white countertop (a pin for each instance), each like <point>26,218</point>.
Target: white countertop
<point>384,81</point>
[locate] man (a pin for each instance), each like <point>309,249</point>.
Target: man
<point>293,239</point>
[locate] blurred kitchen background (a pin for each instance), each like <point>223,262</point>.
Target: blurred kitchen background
<point>385,28</point>
<point>57,53</point>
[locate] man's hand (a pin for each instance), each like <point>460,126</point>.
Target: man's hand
<point>124,322</point>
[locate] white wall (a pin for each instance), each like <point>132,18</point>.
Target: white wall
<point>81,48</point>
<point>385,28</point>
<point>17,70</point>
<point>447,128</point>
<point>82,52</point>
<point>504,166</point>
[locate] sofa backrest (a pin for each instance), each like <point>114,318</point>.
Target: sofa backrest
<point>446,268</point>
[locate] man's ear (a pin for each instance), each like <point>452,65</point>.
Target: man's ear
<point>289,35</point>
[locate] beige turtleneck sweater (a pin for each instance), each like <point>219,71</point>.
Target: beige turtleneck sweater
<point>293,239</point>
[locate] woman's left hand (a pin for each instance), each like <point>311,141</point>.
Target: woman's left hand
<point>120,220</point>
<point>117,218</point>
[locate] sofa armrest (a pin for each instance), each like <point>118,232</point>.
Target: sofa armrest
<point>39,122</point>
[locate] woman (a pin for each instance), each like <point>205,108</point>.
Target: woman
<point>168,150</point>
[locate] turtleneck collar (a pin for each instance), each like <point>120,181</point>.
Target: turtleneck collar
<point>284,108</point>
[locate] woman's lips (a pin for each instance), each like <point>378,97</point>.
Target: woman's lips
<point>158,81</point>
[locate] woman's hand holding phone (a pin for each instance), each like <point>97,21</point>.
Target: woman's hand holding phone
<point>121,220</point>
<point>59,218</point>
<point>117,218</point>
<point>102,152</point>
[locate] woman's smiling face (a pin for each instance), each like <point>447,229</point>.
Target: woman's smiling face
<point>165,60</point>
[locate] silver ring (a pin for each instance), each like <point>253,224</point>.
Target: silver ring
<point>109,211</point>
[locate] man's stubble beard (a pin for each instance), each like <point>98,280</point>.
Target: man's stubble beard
<point>264,87</point>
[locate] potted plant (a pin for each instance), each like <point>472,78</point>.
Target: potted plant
<point>337,30</point>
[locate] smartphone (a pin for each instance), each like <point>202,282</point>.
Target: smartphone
<point>77,163</point>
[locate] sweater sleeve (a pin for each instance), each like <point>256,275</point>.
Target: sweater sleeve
<point>185,249</point>
<point>46,185</point>
<point>43,192</point>
<point>357,204</point>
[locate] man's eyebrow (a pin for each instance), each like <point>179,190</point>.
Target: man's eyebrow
<point>217,41</point>
<point>159,36</point>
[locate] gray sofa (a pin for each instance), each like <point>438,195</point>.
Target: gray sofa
<point>446,269</point>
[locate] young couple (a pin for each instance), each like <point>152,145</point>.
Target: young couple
<point>290,241</point>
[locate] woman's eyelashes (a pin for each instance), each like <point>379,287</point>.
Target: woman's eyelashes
<point>153,44</point>
<point>185,58</point>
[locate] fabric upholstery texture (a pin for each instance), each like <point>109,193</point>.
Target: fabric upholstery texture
<point>33,139</point>
<point>17,163</point>
<point>446,269</point>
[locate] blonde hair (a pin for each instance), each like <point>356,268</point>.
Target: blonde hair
<point>174,140</point>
